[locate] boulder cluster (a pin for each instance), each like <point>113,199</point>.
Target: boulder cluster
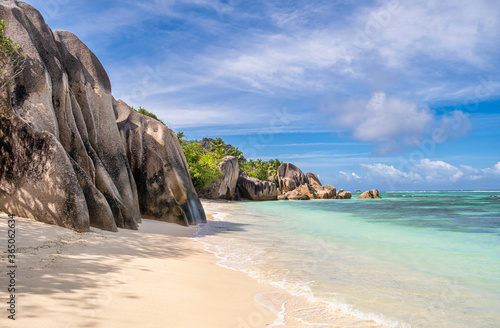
<point>237,184</point>
<point>72,155</point>
<point>296,185</point>
<point>292,184</point>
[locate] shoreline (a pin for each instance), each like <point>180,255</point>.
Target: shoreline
<point>157,276</point>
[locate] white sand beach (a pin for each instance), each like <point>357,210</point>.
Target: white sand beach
<point>155,277</point>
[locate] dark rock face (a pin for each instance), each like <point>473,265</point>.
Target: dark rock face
<point>313,179</point>
<point>159,167</point>
<point>62,157</point>
<point>370,194</point>
<point>290,177</point>
<point>230,168</point>
<point>254,189</point>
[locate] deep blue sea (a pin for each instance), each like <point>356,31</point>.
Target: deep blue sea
<point>410,259</point>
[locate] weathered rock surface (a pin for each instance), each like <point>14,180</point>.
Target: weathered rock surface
<point>62,157</point>
<point>254,189</point>
<point>290,177</point>
<point>370,194</point>
<point>224,188</point>
<point>159,167</point>
<point>294,195</point>
<point>308,190</point>
<point>313,179</point>
<point>325,192</point>
<point>342,194</point>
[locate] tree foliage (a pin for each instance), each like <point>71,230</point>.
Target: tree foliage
<point>145,112</point>
<point>203,160</point>
<point>262,170</point>
<point>12,61</point>
<point>202,165</point>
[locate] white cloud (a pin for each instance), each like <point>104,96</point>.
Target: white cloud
<point>437,171</point>
<point>497,167</point>
<point>390,173</point>
<point>388,121</point>
<point>429,172</point>
<point>346,176</point>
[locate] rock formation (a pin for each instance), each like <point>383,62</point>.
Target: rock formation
<point>325,192</point>
<point>294,195</point>
<point>63,160</point>
<point>159,167</point>
<point>224,188</point>
<point>290,177</point>
<point>254,189</point>
<point>313,179</point>
<point>370,194</point>
<point>342,194</point>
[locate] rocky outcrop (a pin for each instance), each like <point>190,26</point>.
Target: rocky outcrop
<point>159,167</point>
<point>231,169</point>
<point>290,177</point>
<point>294,195</point>
<point>370,194</point>
<point>224,188</point>
<point>342,194</point>
<point>63,160</point>
<point>325,192</point>
<point>254,189</point>
<point>308,190</point>
<point>312,179</point>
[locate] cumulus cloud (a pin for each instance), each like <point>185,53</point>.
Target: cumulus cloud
<point>393,124</point>
<point>497,167</point>
<point>388,121</point>
<point>390,173</point>
<point>349,176</point>
<point>428,172</point>
<point>437,171</point>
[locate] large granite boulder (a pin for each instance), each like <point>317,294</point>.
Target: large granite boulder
<point>370,194</point>
<point>294,195</point>
<point>159,167</point>
<point>313,179</point>
<point>317,191</point>
<point>62,157</point>
<point>254,189</point>
<point>224,188</point>
<point>308,190</point>
<point>342,194</point>
<point>290,177</point>
<point>325,192</point>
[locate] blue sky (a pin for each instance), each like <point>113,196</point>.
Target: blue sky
<point>395,95</point>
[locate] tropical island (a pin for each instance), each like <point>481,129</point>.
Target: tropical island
<point>110,218</point>
<point>74,156</point>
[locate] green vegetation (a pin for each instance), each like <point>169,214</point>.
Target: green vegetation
<point>262,170</point>
<point>202,164</point>
<point>204,156</point>
<point>144,111</point>
<point>12,62</point>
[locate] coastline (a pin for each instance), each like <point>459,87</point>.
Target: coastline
<point>158,275</point>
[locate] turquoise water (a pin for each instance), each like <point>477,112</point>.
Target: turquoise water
<point>410,259</point>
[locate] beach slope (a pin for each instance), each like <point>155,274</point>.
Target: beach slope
<point>155,277</point>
